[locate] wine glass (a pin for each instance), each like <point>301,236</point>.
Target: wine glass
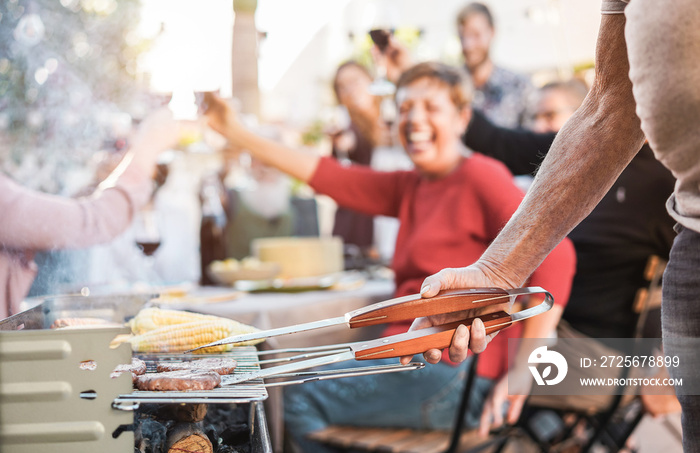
<point>183,104</point>
<point>146,231</point>
<point>381,86</point>
<point>384,19</point>
<point>148,239</point>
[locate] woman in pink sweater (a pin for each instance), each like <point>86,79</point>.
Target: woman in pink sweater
<point>450,208</point>
<point>31,221</point>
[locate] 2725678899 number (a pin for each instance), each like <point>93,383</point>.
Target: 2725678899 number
<point>636,361</point>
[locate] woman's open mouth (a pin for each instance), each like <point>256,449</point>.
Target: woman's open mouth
<point>418,141</point>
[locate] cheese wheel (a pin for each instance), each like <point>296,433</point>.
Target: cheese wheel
<point>301,257</point>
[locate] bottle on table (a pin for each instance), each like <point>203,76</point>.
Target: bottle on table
<point>212,231</point>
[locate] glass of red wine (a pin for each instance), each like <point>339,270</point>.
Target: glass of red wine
<point>146,231</point>
<point>381,86</point>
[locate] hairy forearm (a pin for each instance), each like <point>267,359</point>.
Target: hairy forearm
<point>586,158</point>
<point>298,164</point>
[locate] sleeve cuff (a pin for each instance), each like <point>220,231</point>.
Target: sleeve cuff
<point>613,7</point>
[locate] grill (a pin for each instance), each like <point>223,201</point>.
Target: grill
<point>48,402</point>
<point>247,392</point>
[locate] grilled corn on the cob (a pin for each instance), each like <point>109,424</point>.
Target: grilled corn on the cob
<point>181,337</point>
<point>152,318</point>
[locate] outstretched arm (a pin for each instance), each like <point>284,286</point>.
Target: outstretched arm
<point>222,118</point>
<point>41,221</point>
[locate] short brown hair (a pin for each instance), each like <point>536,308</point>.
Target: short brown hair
<point>347,64</point>
<point>456,80</point>
<point>474,8</point>
<point>574,89</point>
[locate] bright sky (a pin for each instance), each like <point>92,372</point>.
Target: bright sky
<point>194,49</point>
<point>193,52</point>
<point>287,37</point>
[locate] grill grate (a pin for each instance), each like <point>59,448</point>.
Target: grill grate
<point>247,362</point>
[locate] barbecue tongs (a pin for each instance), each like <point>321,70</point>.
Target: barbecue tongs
<point>493,301</point>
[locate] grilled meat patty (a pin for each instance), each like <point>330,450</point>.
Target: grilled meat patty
<point>220,366</point>
<point>178,381</point>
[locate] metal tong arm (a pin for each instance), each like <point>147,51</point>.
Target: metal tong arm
<point>398,309</point>
<point>449,301</point>
<point>440,337</point>
<point>303,377</point>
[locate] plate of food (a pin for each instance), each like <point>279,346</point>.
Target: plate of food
<point>230,270</point>
<point>296,284</point>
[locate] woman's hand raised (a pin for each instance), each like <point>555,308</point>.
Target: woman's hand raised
<point>220,115</point>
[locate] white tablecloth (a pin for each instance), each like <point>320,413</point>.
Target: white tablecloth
<point>278,309</point>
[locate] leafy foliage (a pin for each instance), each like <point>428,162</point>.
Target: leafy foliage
<point>66,67</point>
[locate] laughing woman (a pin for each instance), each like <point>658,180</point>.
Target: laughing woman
<point>450,207</point>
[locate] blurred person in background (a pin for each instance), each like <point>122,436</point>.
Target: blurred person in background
<point>450,207</point>
<point>502,95</point>
<point>244,202</point>
<point>554,103</point>
<point>267,209</point>
<point>356,144</point>
<point>34,221</point>
<point>264,210</point>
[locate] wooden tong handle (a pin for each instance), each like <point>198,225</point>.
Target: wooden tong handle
<point>419,341</point>
<point>411,307</point>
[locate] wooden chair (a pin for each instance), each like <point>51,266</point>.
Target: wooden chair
<point>605,426</point>
<point>401,440</point>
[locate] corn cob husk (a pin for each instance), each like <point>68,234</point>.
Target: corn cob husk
<point>152,318</point>
<point>181,337</point>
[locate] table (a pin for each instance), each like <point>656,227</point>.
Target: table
<point>269,310</point>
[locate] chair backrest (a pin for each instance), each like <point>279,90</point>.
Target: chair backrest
<point>648,298</point>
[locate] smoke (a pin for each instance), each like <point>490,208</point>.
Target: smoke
<point>64,80</point>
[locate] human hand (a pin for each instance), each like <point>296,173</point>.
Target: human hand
<point>492,413</point>
<point>158,132</point>
<point>477,275</point>
<point>219,114</point>
<point>395,58</point>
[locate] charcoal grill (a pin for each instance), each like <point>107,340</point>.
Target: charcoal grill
<point>49,403</point>
<point>247,361</point>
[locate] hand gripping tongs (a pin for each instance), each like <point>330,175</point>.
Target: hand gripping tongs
<point>490,303</point>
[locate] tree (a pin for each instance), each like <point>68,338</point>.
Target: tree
<point>66,67</point>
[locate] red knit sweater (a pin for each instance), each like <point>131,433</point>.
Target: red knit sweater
<point>448,222</point>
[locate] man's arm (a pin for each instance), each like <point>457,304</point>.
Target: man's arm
<point>587,156</point>
<point>520,150</point>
